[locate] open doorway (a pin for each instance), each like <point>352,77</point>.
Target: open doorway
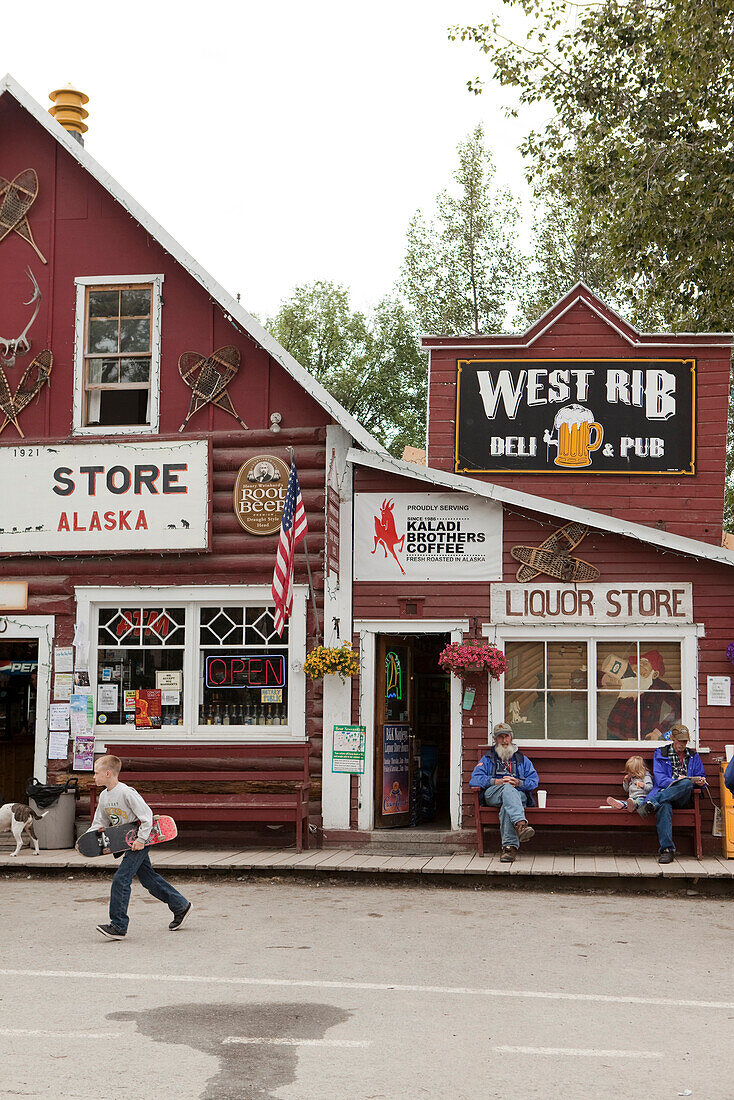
<point>18,700</point>
<point>412,733</point>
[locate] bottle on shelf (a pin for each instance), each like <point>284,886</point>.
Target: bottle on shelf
<point>202,715</point>
<point>249,720</point>
<point>217,716</point>
<point>209,716</point>
<point>261,716</point>
<point>225,716</point>
<point>269,715</point>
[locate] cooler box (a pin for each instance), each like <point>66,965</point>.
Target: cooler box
<point>727,814</point>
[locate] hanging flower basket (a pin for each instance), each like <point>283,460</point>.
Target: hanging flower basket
<point>331,660</point>
<point>472,658</point>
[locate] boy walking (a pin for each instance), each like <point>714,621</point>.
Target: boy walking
<point>117,805</point>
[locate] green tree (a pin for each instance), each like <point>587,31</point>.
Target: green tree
<point>462,267</point>
<point>372,366</point>
<point>639,144</point>
<point>640,141</point>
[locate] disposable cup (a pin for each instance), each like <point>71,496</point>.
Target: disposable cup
<point>729,751</point>
<point>542,795</point>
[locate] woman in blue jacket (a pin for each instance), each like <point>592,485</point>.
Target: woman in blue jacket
<point>676,770</point>
<point>507,779</point>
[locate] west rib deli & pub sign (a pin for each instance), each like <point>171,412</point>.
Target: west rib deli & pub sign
<point>598,416</point>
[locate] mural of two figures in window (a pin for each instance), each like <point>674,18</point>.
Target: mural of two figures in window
<point>637,689</point>
<point>16,199</point>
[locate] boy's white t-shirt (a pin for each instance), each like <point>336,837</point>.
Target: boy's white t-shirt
<point>120,805</point>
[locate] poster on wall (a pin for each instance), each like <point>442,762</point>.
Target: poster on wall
<point>96,497</point>
<point>148,708</point>
<point>610,416</point>
<point>84,752</point>
<point>348,749</point>
<point>427,537</point>
<point>395,769</point>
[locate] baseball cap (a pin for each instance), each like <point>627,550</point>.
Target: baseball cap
<point>679,732</point>
<point>502,727</point>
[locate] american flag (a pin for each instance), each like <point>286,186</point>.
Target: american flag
<point>293,528</point>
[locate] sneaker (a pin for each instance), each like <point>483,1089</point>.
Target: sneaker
<point>646,808</point>
<point>524,831</point>
<point>666,857</point>
<point>632,805</point>
<point>179,918</point>
<point>111,932</point>
<point>509,855</point>
<point>615,803</point>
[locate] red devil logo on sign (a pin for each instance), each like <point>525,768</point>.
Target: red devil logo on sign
<point>385,533</point>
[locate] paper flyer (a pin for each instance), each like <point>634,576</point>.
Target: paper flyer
<point>62,685</point>
<point>107,697</point>
<point>58,718</point>
<point>84,752</point>
<point>63,658</point>
<point>81,713</point>
<point>58,744</point>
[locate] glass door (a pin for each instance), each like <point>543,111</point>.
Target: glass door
<point>393,729</point>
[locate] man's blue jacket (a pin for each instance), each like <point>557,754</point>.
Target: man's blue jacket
<point>662,768</point>
<point>490,765</point>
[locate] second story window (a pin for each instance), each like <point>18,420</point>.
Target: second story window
<point>118,342</point>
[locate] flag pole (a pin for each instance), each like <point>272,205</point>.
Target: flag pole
<point>308,568</point>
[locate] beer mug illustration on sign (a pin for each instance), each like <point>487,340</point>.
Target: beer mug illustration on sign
<point>573,426</point>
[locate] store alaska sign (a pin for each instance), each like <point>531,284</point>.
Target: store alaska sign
<point>429,537</point>
<point>97,497</point>
<point>607,416</point>
<point>598,604</point>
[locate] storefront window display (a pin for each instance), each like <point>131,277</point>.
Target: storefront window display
<point>632,694</point>
<point>202,663</point>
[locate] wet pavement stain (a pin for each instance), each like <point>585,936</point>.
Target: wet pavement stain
<point>246,1071</point>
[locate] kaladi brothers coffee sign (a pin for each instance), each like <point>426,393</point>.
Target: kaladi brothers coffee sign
<point>609,416</point>
<point>428,537</point>
<point>100,497</point>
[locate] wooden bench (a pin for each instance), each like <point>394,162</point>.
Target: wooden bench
<point>578,782</point>
<point>261,783</point>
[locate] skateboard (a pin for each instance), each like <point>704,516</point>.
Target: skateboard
<point>561,543</point>
<point>120,838</point>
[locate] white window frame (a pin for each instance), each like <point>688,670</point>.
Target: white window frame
<point>82,283</point>
<point>687,636</point>
<point>89,600</point>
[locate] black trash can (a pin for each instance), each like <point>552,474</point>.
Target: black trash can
<point>58,802</point>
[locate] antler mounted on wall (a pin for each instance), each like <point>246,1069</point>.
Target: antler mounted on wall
<point>10,347</point>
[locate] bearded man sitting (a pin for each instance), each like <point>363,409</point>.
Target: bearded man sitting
<point>507,779</point>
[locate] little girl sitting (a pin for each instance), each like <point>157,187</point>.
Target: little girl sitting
<point>637,783</point>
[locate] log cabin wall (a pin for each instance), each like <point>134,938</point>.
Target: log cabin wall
<point>83,232</point>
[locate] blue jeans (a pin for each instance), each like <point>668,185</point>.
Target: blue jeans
<point>138,863</point>
<point>511,803</point>
<point>678,795</point>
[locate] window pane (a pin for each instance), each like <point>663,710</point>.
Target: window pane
<point>524,665</point>
<point>133,670</point>
<point>525,711</point>
<point>146,626</point>
<point>567,669</point>
<point>122,406</point>
<point>101,370</point>
<point>102,336</point>
<point>659,710</point>
<point>134,303</point>
<point>260,627</point>
<point>221,625</point>
<point>135,335</point>
<point>103,303</point>
<point>242,687</point>
<point>134,370</point>
<point>567,716</point>
<point>616,673</point>
<point>662,661</point>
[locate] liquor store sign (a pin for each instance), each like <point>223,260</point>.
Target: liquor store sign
<point>99,497</point>
<point>610,416</point>
<point>597,604</point>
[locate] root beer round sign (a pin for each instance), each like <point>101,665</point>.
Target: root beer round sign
<point>259,494</point>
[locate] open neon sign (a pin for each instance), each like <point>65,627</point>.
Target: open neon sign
<point>253,670</point>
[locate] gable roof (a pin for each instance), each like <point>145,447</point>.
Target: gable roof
<point>662,540</point>
<point>232,309</point>
<point>580,294</point>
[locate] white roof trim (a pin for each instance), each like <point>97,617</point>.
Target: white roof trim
<point>235,312</point>
<point>663,540</point>
<point>719,339</point>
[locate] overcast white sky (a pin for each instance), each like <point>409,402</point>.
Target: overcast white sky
<point>278,142</point>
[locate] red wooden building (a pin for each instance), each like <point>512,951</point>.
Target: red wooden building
<point>581,420</point>
<point>119,531</point>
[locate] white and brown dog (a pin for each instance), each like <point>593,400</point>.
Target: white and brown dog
<point>15,817</point>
